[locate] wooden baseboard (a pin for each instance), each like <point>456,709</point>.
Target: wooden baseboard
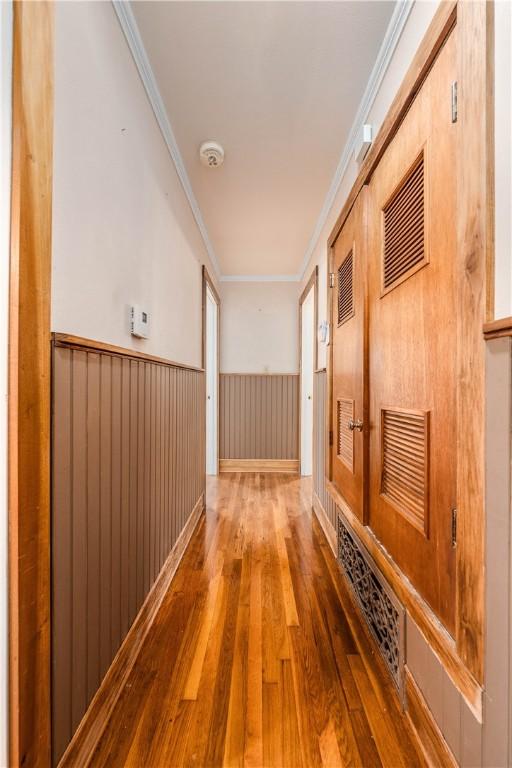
<point>435,750</point>
<point>81,748</point>
<point>325,524</point>
<point>259,465</point>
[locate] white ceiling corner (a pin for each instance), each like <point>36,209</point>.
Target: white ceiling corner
<point>166,23</point>
<point>389,43</point>
<point>131,32</point>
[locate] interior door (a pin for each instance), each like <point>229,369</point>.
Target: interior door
<point>349,417</point>
<point>412,290</point>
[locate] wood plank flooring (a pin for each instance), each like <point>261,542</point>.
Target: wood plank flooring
<point>257,657</point>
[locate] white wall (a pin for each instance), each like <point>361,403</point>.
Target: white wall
<point>259,327</point>
<point>415,27</point>
<point>123,231</point>
<point>5,209</point>
<point>503,164</point>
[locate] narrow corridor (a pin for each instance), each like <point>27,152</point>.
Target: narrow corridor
<point>257,656</point>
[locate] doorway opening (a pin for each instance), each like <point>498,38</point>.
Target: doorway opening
<point>308,313</point>
<point>211,304</point>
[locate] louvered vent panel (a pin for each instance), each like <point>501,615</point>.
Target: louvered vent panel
<point>404,479</point>
<point>404,228</point>
<point>346,289</point>
<point>345,435</point>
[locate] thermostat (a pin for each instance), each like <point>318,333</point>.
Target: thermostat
<point>139,322</point>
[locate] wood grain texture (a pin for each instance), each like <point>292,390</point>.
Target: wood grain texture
<point>69,341</point>
<point>259,465</point>
<point>29,385</point>
<point>349,349</point>
<point>413,349</point>
<point>474,256</point>
<point>435,749</point>
<point>92,725</point>
<point>266,691</point>
<point>496,329</point>
<point>128,470</point>
<point>259,416</point>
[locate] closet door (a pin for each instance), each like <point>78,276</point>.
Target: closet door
<point>348,324</point>
<point>412,286</point>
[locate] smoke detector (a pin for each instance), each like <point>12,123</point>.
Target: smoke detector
<point>211,154</point>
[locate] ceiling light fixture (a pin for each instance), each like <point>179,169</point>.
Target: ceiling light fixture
<point>211,154</point>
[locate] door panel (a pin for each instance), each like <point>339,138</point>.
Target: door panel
<point>348,360</point>
<point>412,331</point>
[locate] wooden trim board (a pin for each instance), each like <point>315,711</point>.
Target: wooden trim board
<point>325,523</point>
<point>81,748</point>
<point>475,244</point>
<point>263,373</point>
<point>78,342</point>
<point>497,329</point>
<point>259,465</point>
<point>435,750</point>
<point>29,385</point>
<point>435,634</point>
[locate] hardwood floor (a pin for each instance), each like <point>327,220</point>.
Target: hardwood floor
<point>257,657</point>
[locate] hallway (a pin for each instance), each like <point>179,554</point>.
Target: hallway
<point>257,656</point>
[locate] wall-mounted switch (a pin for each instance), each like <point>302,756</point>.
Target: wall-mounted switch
<point>139,322</point>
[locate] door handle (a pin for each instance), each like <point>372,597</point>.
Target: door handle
<point>355,425</point>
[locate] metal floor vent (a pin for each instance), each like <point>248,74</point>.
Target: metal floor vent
<point>383,613</point>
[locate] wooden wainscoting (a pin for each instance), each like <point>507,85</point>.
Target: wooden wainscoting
<point>128,470</point>
<point>259,422</point>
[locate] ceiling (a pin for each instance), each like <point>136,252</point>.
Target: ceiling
<point>278,84</point>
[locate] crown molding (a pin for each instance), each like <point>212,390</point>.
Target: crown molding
<point>131,32</point>
<point>260,278</point>
<point>386,51</point>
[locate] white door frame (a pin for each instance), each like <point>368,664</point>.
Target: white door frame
<point>211,297</point>
<point>312,285</point>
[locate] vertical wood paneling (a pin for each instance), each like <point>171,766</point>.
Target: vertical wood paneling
<point>105,507</point>
<point>92,523</point>
<point>259,416</point>
<point>319,420</point>
<point>128,469</point>
<point>79,527</point>
<point>62,539</point>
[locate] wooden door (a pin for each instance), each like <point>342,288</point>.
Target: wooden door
<point>412,304</point>
<point>348,358</point>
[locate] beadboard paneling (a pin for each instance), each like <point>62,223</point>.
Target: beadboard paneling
<point>259,416</point>
<point>128,468</point>
<point>319,416</point>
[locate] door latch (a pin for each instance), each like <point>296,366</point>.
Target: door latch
<point>454,527</point>
<point>455,104</point>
